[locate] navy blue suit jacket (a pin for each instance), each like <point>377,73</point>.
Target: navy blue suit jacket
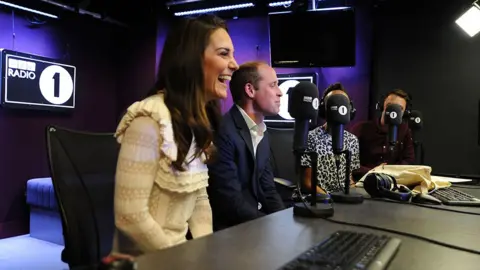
<point>238,180</point>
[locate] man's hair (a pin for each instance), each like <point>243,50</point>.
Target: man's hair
<point>399,93</point>
<point>333,87</point>
<point>246,73</point>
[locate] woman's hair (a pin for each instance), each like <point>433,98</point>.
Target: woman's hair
<point>333,87</point>
<point>180,75</point>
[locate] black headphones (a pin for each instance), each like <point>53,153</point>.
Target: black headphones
<point>321,108</point>
<point>381,101</point>
<point>380,185</point>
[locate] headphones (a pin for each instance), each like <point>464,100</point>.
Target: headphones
<point>321,108</point>
<point>380,185</point>
<point>408,99</point>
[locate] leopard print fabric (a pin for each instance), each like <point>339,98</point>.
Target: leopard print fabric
<point>320,141</point>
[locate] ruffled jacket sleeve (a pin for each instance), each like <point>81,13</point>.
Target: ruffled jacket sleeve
<point>147,151</point>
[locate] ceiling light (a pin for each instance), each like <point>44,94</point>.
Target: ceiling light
<point>28,9</point>
<point>312,10</point>
<point>278,4</point>
<point>470,20</point>
<point>214,9</point>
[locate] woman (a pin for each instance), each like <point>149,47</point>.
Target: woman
<point>330,175</point>
<point>161,178</point>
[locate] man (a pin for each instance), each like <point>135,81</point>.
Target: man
<point>330,178</point>
<point>241,185</point>
<point>373,138</point>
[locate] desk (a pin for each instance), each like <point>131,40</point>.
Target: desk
<point>272,241</point>
<point>473,190</point>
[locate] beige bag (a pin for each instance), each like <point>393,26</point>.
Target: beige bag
<point>416,177</point>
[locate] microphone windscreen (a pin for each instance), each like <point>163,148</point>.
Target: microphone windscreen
<point>338,109</point>
<point>415,121</point>
<point>303,101</point>
<point>393,114</point>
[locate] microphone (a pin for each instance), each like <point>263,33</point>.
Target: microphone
<point>415,121</point>
<point>338,115</point>
<point>393,118</point>
<point>303,106</point>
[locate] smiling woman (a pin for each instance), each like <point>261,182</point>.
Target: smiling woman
<point>161,179</point>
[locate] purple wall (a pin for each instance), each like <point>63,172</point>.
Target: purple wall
<point>93,47</point>
<point>248,33</point>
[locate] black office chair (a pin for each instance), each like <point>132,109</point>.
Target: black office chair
<point>82,167</point>
<point>283,161</point>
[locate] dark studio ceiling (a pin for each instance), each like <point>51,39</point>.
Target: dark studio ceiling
<point>139,13</point>
<point>122,12</point>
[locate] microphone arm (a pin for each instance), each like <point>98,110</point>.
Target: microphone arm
<point>348,158</point>
<point>300,136</point>
<point>313,156</point>
<point>314,179</point>
<point>314,210</point>
<point>346,196</point>
<point>348,162</point>
<point>392,142</point>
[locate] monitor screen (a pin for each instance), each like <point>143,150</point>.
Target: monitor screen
<point>287,82</point>
<point>34,82</point>
<point>313,39</point>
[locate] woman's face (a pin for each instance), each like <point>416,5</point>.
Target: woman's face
<point>218,64</point>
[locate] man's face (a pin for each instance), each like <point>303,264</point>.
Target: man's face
<point>394,99</point>
<point>267,95</point>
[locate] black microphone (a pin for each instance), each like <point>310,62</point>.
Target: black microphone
<point>303,106</point>
<point>415,121</point>
<point>338,115</point>
<point>393,118</point>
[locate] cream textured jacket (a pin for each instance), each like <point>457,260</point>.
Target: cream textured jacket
<point>154,203</point>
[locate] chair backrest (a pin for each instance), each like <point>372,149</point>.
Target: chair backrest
<point>281,144</point>
<point>82,167</point>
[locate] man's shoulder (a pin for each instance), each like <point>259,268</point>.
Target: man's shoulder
<point>226,122</point>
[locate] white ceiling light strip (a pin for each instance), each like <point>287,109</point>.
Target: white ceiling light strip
<point>28,9</point>
<point>214,9</point>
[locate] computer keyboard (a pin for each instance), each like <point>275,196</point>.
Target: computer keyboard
<point>347,250</point>
<point>454,197</point>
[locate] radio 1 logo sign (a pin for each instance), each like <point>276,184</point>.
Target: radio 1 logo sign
<point>38,83</point>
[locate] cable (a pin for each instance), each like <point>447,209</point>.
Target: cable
<point>337,163</point>
<point>418,237</point>
<point>426,206</point>
<point>13,30</point>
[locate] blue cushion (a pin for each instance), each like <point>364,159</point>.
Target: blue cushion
<point>40,193</point>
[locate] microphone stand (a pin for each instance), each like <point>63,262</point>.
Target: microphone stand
<point>314,210</point>
<point>346,196</point>
<point>391,153</point>
<point>418,149</point>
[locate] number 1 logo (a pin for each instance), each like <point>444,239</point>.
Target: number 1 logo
<point>56,84</point>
